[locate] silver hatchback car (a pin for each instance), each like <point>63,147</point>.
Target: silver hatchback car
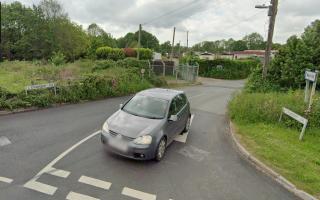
<point>146,124</point>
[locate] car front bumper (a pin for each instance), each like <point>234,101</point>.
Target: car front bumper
<point>134,151</point>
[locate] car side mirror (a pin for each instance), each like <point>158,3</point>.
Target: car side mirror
<point>173,118</point>
<point>120,106</point>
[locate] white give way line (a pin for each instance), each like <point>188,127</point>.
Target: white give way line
<point>5,180</point>
<point>48,189</point>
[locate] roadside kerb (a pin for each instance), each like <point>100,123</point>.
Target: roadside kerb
<point>267,170</point>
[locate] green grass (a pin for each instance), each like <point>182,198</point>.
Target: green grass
<point>15,75</point>
<point>279,147</point>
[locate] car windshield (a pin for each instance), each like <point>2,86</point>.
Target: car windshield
<point>146,106</point>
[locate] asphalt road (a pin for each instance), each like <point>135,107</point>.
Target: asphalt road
<point>35,165</point>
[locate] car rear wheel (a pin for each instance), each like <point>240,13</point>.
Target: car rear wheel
<point>161,149</point>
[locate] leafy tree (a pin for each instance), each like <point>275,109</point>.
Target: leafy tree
<point>131,40</point>
<point>238,45</point>
<point>165,47</point>
<point>254,41</point>
<point>98,38</point>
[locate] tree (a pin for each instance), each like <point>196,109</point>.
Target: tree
<point>238,45</point>
<point>131,40</point>
<point>165,48</point>
<point>254,41</point>
<point>52,9</point>
<point>98,38</point>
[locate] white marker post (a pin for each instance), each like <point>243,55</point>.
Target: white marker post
<point>297,117</point>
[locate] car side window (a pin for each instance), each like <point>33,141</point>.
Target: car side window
<point>173,107</point>
<point>181,102</point>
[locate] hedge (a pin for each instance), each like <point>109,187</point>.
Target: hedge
<point>110,53</point>
<point>230,69</point>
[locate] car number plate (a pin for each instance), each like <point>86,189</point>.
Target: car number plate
<point>119,145</point>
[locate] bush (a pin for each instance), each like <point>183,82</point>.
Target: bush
<point>231,69</point>
<point>110,53</point>
<point>130,52</point>
<point>133,63</point>
<point>57,58</point>
<point>266,107</point>
<point>145,54</point>
<point>103,64</point>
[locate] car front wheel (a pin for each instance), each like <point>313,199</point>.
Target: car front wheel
<point>188,123</point>
<point>161,149</point>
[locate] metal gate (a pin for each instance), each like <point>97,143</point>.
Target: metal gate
<point>187,72</point>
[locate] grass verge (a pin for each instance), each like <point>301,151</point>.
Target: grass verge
<point>279,148</point>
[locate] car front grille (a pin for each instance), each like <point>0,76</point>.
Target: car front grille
<point>115,134</point>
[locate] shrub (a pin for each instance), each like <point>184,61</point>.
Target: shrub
<point>231,69</point>
<point>145,54</point>
<point>110,53</point>
<point>266,107</point>
<point>103,64</point>
<point>133,63</point>
<point>57,58</point>
<point>130,52</point>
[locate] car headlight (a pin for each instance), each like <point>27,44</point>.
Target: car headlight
<point>105,127</point>
<point>145,139</point>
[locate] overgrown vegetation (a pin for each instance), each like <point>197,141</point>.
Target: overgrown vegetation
<point>227,69</point>
<point>82,80</point>
<point>287,69</point>
<point>256,111</point>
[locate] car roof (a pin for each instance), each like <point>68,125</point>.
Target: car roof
<point>161,93</point>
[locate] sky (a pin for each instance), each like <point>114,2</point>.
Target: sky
<point>206,20</point>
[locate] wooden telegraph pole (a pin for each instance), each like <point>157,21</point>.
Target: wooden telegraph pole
<point>273,9</point>
<point>139,42</point>
<point>172,47</point>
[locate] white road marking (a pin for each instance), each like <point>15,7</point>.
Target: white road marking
<point>138,194</point>
<point>78,196</point>
<point>95,182</point>
<point>40,187</point>
<point>5,180</point>
<point>4,141</point>
<point>183,138</point>
<point>48,167</point>
<point>59,172</point>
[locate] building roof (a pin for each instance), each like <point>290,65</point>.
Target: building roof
<point>161,93</point>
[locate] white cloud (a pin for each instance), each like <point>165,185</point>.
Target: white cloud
<point>206,20</point>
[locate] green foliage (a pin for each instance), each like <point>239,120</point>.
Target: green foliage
<point>133,63</point>
<point>110,53</point>
<point>57,58</point>
<point>288,67</point>
<point>266,107</point>
<point>103,64</point>
<point>231,69</point>
<point>190,59</point>
<point>145,54</point>
<point>37,32</point>
<point>148,40</point>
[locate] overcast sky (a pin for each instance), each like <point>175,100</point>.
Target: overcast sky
<point>205,19</point>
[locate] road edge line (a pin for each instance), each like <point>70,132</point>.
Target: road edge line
<point>265,169</point>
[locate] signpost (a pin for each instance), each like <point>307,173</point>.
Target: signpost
<point>297,117</point>
<point>41,86</point>
<point>311,77</point>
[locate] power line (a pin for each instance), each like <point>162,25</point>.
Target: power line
<point>171,12</point>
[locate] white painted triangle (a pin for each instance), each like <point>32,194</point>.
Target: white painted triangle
<point>183,138</point>
<point>4,141</point>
